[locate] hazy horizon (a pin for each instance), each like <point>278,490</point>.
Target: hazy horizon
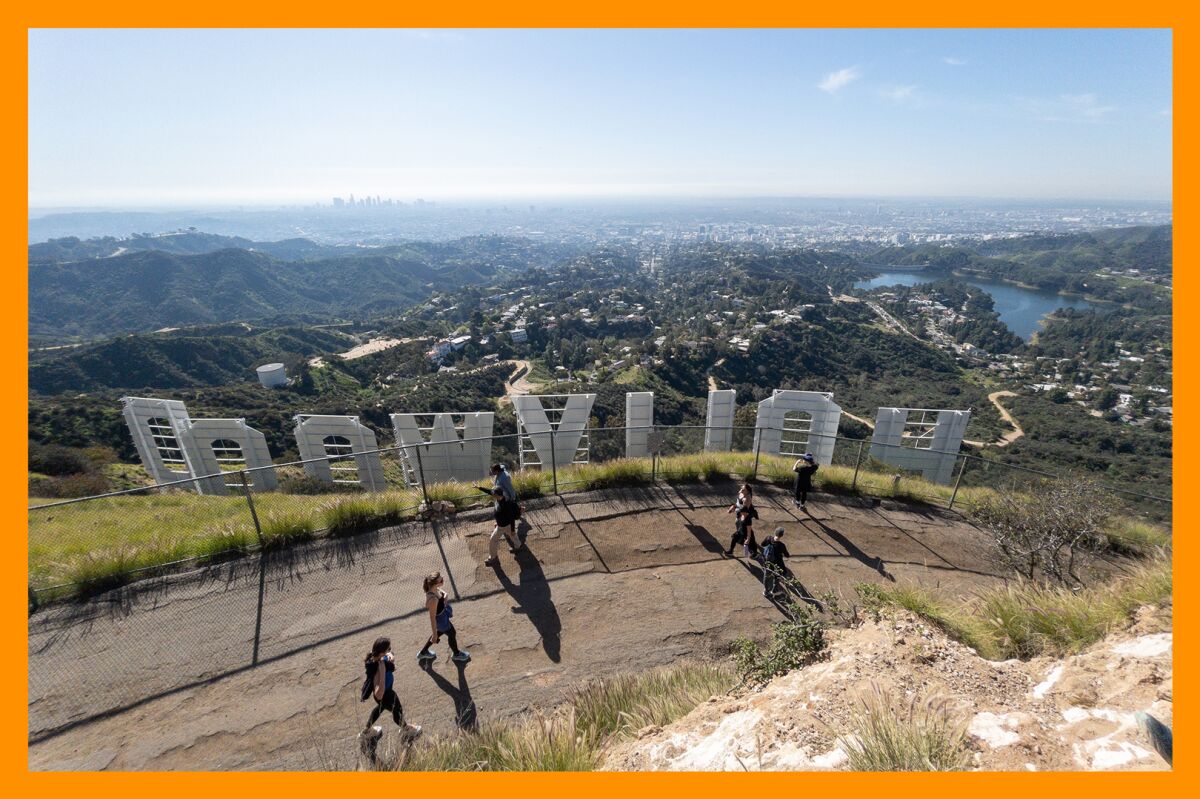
<point>172,119</point>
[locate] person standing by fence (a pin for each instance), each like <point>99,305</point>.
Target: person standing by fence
<point>502,480</point>
<point>505,515</point>
<point>440,612</point>
<point>805,467</point>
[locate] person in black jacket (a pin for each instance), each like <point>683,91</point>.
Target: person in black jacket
<point>774,569</point>
<point>506,515</point>
<point>805,467</point>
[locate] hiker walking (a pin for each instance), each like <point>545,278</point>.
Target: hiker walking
<point>745,497</point>
<point>744,533</point>
<point>440,611</point>
<point>805,467</point>
<point>505,515</point>
<point>502,480</point>
<point>774,569</point>
<point>380,666</point>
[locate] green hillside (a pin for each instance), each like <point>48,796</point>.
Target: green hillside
<point>145,291</point>
<point>164,360</point>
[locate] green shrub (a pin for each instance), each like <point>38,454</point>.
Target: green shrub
<point>57,461</point>
<point>282,528</point>
<point>796,642</point>
<point>367,512</point>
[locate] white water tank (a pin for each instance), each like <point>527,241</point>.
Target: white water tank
<point>272,375</point>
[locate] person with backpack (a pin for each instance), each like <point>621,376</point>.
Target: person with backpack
<point>505,516</point>
<point>774,570</point>
<point>804,467</point>
<point>380,666</point>
<point>744,533</point>
<point>440,611</point>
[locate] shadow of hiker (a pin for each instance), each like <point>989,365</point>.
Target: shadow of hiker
<point>532,595</point>
<point>853,551</point>
<point>524,528</point>
<point>466,717</point>
<point>755,567</point>
<point>707,540</point>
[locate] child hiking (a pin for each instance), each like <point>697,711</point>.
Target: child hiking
<point>440,611</point>
<point>380,666</point>
<point>804,467</point>
<point>774,570</point>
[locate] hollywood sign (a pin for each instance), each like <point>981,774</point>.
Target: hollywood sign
<point>220,456</point>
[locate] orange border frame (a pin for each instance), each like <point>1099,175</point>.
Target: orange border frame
<point>541,13</point>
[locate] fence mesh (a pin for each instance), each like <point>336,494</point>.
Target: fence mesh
<point>220,564</point>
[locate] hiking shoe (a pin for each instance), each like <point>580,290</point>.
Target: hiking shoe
<point>426,656</point>
<point>492,562</point>
<point>462,657</point>
<point>411,731</point>
<point>802,507</point>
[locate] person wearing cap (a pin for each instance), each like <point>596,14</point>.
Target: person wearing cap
<point>805,467</point>
<point>773,552</point>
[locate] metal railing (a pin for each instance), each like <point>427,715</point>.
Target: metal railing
<point>90,541</point>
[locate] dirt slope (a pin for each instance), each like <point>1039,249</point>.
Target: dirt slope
<point>1076,713</point>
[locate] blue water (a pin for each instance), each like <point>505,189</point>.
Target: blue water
<point>1021,309</point>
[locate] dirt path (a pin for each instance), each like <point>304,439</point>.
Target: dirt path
<point>518,385</point>
<point>256,664</point>
<point>1017,430</point>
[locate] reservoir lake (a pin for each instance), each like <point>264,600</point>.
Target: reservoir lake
<point>1021,309</point>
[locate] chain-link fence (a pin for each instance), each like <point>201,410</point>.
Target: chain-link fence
<point>245,575</point>
<point>86,545</point>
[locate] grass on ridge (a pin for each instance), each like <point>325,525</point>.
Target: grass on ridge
<point>573,738</point>
<point>97,543</point>
<point>1024,620</point>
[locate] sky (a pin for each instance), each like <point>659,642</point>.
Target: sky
<point>142,118</point>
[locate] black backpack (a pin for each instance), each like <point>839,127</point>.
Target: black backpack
<point>368,686</point>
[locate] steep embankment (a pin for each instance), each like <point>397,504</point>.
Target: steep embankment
<point>1075,713</point>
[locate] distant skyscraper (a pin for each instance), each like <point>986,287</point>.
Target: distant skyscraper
<point>338,202</point>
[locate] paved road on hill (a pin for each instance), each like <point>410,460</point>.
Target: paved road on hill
<point>256,663</point>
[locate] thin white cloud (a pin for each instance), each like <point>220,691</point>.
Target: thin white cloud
<point>954,62</point>
<point>899,95</point>
<point>835,81</point>
<point>1087,104</point>
<point>1066,108</point>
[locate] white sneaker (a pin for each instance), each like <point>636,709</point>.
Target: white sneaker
<point>411,731</point>
<point>462,657</point>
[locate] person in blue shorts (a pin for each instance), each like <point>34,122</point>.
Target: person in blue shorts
<point>440,611</point>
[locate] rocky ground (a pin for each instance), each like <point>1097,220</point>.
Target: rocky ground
<point>1075,713</point>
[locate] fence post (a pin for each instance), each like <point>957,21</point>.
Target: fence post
<point>757,452</point>
<point>553,461</point>
<point>857,463</point>
<point>253,512</point>
<point>33,601</point>
<point>421,476</point>
<point>957,480</point>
